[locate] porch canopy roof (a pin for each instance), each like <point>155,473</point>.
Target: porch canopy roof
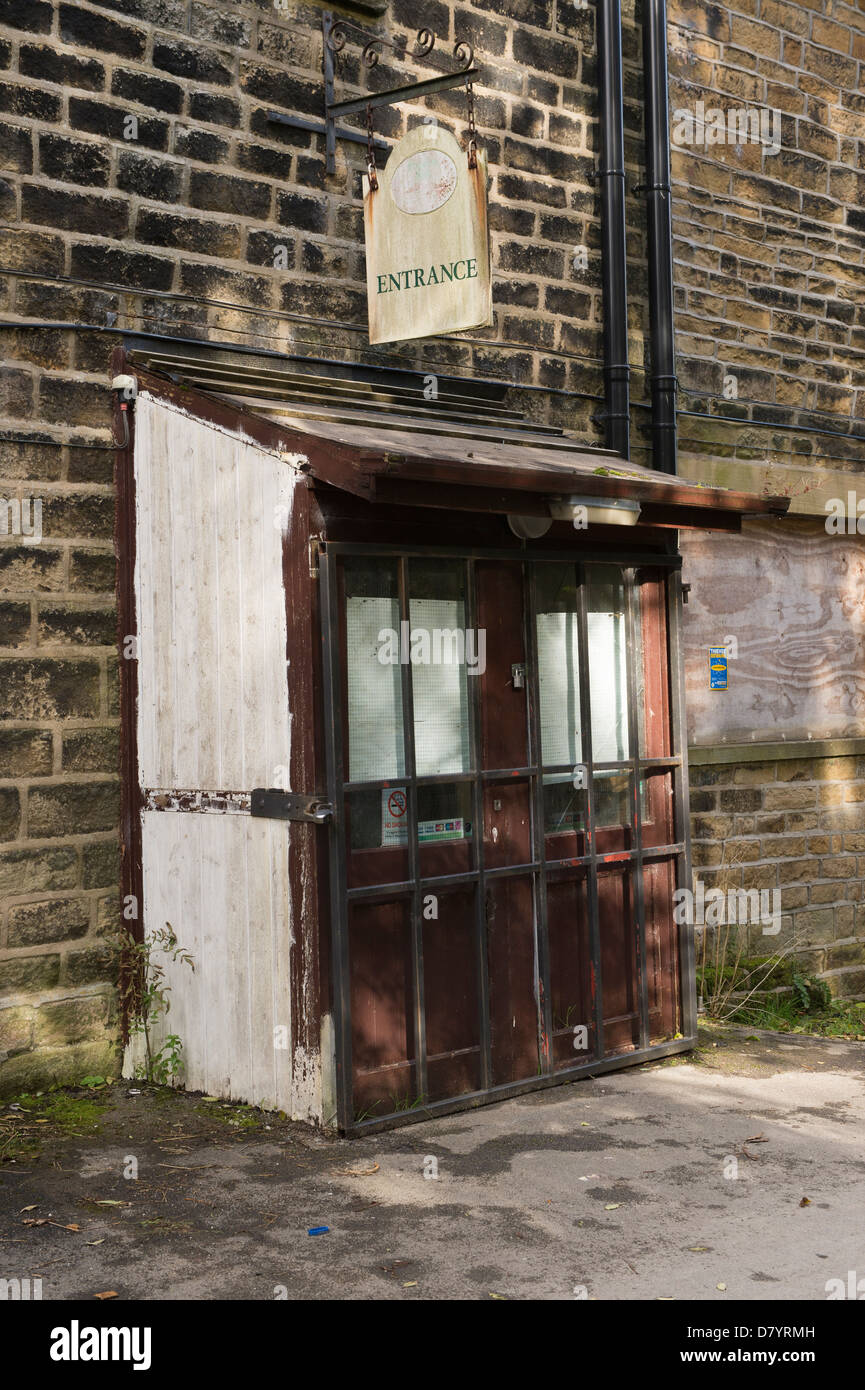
<point>390,444</point>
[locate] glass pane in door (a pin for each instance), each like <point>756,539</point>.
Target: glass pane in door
<point>565,792</point>
<point>608,672</point>
<point>372,631</point>
<point>442,655</point>
<point>558,665</point>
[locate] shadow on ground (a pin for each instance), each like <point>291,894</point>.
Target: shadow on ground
<point>734,1172</point>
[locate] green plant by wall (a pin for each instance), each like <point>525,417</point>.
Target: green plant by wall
<point>144,992</point>
<point>810,994</point>
<point>769,991</point>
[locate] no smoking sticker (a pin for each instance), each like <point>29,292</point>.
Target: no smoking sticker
<point>393,817</point>
<point>394,822</point>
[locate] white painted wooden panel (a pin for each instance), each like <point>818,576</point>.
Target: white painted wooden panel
<point>214,714</point>
<point>793,598</point>
<point>222,883</point>
<point>213,689</point>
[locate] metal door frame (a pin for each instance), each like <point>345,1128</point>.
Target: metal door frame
<point>678,850</point>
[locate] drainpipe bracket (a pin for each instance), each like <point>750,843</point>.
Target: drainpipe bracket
<point>610,415</point>
<point>595,175</point>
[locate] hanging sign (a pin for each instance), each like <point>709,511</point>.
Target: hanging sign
<point>427,240</point>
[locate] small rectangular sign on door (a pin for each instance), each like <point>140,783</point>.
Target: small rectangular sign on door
<point>717,668</point>
<point>394,822</point>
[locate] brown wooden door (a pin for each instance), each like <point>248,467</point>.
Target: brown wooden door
<point>498,919</point>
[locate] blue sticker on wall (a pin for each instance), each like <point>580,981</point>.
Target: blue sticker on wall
<point>717,668</point>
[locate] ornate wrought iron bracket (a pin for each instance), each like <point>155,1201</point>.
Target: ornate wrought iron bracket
<point>338,32</point>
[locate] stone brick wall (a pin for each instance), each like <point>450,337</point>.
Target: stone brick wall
<point>796,825</point>
<point>770,290</point>
<point>770,248</point>
<point>143,159</point>
<point>58,714</point>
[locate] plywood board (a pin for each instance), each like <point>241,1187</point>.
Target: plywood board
<point>793,599</point>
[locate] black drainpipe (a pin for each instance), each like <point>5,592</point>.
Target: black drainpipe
<point>611,176</point>
<point>660,227</point>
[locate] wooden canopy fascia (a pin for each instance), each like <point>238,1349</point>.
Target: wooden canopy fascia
<point>413,474</point>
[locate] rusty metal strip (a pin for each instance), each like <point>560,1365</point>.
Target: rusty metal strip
<point>218,803</point>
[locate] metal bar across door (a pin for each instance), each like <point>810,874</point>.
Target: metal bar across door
<point>477,821</point>
<point>420,1051</point>
<point>597,987</point>
<point>681,801</point>
<point>338,885</point>
<point>542,955</point>
<point>632,651</point>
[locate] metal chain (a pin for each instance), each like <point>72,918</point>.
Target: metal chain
<point>370,152</point>
<point>473,144</point>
